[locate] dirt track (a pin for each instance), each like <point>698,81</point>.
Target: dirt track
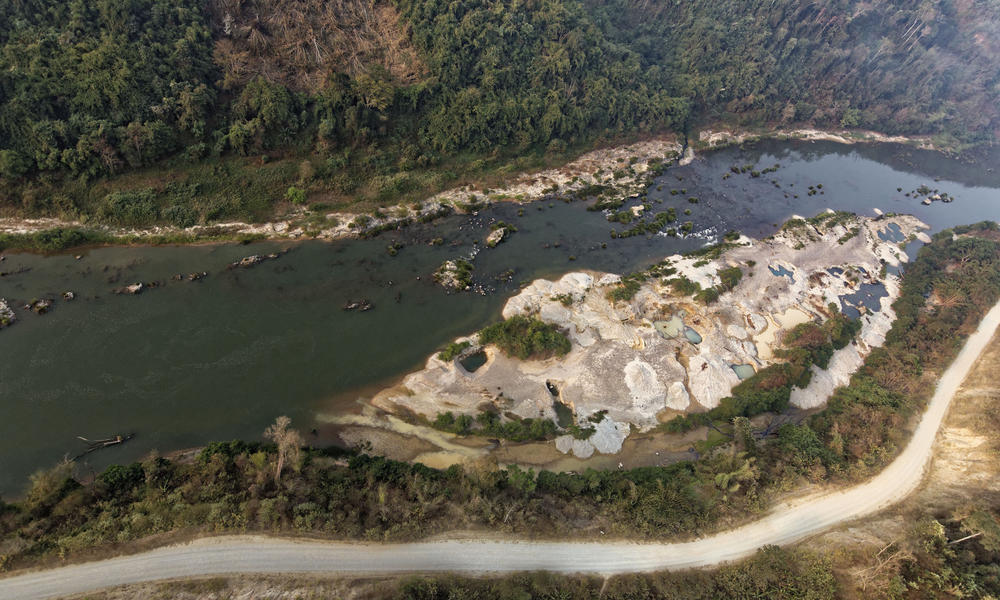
<point>785,524</point>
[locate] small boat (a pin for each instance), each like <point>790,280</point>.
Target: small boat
<point>94,445</point>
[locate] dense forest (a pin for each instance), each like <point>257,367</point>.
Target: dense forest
<point>365,95</point>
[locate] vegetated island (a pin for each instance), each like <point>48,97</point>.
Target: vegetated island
<point>736,329</point>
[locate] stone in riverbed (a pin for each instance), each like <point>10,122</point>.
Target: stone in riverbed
<point>496,236</point>
<point>582,448</point>
<point>608,437</point>
<point>40,307</point>
<point>133,289</point>
<point>710,379</point>
<point>621,364</point>
<point>454,274</point>
<point>735,331</point>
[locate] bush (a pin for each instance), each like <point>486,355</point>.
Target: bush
<point>129,209</point>
<point>119,480</point>
<point>682,286</point>
<point>626,289</point>
<point>180,216</point>
<point>707,296</point>
<point>730,277</point>
<point>452,350</point>
<point>296,195</point>
<point>526,338</point>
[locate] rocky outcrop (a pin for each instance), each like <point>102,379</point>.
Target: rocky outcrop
<point>660,351</point>
<point>133,289</point>
<point>7,316</point>
<point>40,306</point>
<point>496,236</point>
<point>607,438</point>
<point>454,274</point>
<point>253,260</point>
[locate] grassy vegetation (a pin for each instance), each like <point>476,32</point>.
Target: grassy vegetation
<point>772,574</point>
<point>526,338</point>
<point>64,238</point>
<point>51,240</point>
<point>643,227</point>
<point>626,289</point>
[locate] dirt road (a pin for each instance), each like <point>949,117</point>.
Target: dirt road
<point>784,524</point>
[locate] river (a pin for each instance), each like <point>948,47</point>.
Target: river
<point>219,358</point>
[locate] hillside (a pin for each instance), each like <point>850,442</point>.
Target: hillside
<point>375,99</point>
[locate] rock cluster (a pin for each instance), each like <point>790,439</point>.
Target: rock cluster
<point>6,314</point>
<point>253,260</point>
<point>132,289</point>
<point>39,307</point>
<point>454,274</point>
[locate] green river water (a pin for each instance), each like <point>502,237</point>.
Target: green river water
<point>220,358</point>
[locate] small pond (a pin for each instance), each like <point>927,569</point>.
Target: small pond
<point>564,414</point>
<point>670,329</point>
<point>693,336</point>
<point>473,362</point>
<point>744,371</point>
<point>868,295</point>
<point>781,271</point>
<point>892,233</point>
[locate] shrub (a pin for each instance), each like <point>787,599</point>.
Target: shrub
<point>626,290</point>
<point>119,480</point>
<point>682,286</point>
<point>295,195</point>
<point>526,338</point>
<point>452,350</point>
<point>129,209</point>
<point>730,277</point>
<point>180,215</point>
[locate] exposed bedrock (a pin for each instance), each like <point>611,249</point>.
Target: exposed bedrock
<point>644,359</point>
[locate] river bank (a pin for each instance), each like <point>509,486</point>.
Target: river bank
<point>613,172</point>
<point>720,137</point>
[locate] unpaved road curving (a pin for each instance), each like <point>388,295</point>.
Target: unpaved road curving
<point>785,524</point>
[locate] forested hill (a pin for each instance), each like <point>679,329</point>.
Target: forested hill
<point>95,87</point>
